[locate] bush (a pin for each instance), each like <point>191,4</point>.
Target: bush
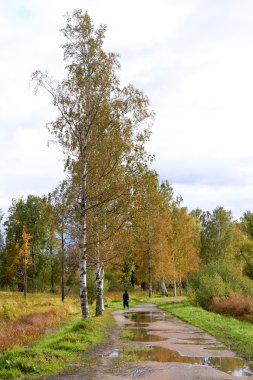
<point>235,304</point>
<point>218,280</point>
<point>210,287</point>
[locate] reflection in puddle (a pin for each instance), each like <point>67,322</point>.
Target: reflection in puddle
<point>143,320</point>
<point>142,335</point>
<point>114,354</point>
<point>138,324</point>
<point>233,366</point>
<point>145,317</point>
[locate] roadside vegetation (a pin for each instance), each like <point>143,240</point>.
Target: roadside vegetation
<point>219,287</point>
<point>236,334</point>
<point>22,322</point>
<point>58,345</point>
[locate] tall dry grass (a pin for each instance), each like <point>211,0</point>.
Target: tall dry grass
<point>22,321</point>
<point>236,305</point>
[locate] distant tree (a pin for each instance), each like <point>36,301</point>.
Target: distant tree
<point>247,223</point>
<point>29,212</point>
<point>184,245</point>
<point>216,234</point>
<point>23,258</point>
<point>66,234</point>
<point>1,232</point>
<point>246,249</point>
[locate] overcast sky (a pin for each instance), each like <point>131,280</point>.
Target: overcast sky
<point>194,60</point>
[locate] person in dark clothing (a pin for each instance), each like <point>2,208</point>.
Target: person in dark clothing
<point>126,300</point>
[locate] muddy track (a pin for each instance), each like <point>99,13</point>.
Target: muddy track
<point>176,350</point>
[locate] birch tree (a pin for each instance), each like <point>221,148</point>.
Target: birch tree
<point>101,126</point>
<point>23,258</point>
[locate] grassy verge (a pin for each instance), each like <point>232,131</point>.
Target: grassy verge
<point>24,321</point>
<point>59,351</point>
<point>236,334</point>
<point>13,306</point>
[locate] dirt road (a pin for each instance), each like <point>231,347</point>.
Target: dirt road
<point>174,351</point>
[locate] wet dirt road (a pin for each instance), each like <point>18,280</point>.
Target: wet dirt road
<point>176,350</point>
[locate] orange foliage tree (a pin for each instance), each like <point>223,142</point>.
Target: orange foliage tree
<point>23,257</point>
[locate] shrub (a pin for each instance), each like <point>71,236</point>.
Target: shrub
<point>217,280</point>
<point>210,287</point>
<point>234,304</point>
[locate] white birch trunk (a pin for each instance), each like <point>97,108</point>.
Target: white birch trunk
<point>99,286</point>
<point>175,288</point>
<point>102,285</point>
<point>83,266</point>
<point>83,288</point>
<point>150,289</point>
<point>164,289</point>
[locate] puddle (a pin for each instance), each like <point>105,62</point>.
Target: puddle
<point>114,354</point>
<point>232,366</point>
<point>141,321</point>
<point>142,317</point>
<point>138,325</point>
<point>142,335</point>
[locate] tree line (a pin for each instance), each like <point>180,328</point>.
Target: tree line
<point>111,213</point>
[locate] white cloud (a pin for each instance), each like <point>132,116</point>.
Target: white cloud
<point>192,58</point>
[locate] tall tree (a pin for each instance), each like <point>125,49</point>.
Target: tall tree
<point>216,234</point>
<point>29,212</point>
<point>247,223</point>
<point>61,202</point>
<point>1,231</point>
<point>246,249</point>
<point>183,245</point>
<point>23,258</point>
<point>101,126</point>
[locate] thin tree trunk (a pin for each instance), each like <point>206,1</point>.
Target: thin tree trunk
<point>102,277</point>
<point>164,289</point>
<point>99,287</point>
<point>180,286</point>
<point>52,269</point>
<point>150,290</point>
<point>187,285</point>
<point>33,272</point>
<point>175,288</point>
<point>83,288</point>
<point>83,260</point>
<point>25,282</point>
<point>62,268</point>
<point>132,278</point>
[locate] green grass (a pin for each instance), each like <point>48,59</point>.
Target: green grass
<point>59,351</point>
<point>236,334</point>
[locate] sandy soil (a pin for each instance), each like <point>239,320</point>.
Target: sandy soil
<point>185,342</point>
